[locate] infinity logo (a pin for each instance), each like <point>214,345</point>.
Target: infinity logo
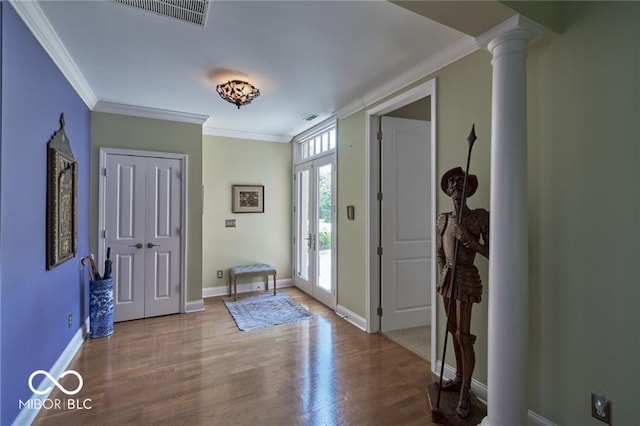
<point>55,382</point>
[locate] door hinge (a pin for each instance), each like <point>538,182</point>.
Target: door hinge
<point>379,136</point>
<point>379,311</point>
<point>104,234</point>
<point>379,196</point>
<point>379,251</point>
<point>104,171</point>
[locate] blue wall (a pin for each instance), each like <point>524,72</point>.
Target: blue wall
<point>35,303</point>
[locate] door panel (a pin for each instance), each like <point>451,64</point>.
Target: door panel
<point>324,223</point>
<point>162,276</point>
<point>125,229</point>
<point>143,202</point>
<point>406,223</point>
<point>303,242</point>
<point>123,265</point>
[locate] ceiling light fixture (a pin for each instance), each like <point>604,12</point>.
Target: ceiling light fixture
<point>237,92</point>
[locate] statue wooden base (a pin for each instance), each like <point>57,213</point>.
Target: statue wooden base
<point>447,415</point>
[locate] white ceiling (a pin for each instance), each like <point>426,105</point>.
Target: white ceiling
<point>306,57</point>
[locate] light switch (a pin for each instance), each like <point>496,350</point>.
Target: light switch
<point>230,223</point>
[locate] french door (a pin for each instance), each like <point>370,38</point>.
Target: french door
<point>315,229</point>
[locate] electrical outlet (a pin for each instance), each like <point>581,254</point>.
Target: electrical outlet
<point>601,407</point>
<point>70,321</point>
<point>220,274</point>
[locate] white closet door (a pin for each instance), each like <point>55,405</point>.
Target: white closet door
<point>142,228</point>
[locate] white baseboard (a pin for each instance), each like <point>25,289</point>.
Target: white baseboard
<point>29,412</point>
<point>480,389</point>
<point>194,306</point>
<point>223,290</point>
<point>352,317</point>
<point>537,420</point>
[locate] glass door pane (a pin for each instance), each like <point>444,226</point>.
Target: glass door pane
<point>324,226</point>
<point>325,230</point>
<point>303,231</point>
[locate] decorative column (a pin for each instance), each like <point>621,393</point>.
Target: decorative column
<point>508,240</point>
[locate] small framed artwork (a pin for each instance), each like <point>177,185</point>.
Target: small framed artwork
<point>62,199</point>
<point>247,199</point>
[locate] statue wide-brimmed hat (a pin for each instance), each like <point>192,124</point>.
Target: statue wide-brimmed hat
<point>472,180</point>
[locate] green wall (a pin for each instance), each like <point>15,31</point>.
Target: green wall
<point>418,110</point>
<point>258,237</point>
<point>584,208</point>
<point>463,98</point>
<point>352,248</point>
<point>146,134</point>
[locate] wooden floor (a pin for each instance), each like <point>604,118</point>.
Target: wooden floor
<point>199,369</point>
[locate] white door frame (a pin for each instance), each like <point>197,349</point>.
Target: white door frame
<point>423,90</point>
<point>102,191</point>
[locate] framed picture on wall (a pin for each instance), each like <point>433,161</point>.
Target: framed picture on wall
<point>62,199</point>
<point>247,199</point>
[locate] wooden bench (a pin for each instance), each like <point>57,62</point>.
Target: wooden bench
<point>246,271</point>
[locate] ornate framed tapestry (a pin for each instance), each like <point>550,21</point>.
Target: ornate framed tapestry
<point>62,199</point>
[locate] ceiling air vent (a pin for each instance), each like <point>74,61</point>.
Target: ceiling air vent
<point>194,11</point>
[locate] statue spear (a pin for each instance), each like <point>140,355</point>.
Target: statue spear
<point>452,282</point>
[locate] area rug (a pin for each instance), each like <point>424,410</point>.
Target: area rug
<point>264,310</point>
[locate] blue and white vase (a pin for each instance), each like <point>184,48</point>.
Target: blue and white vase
<point>101,308</point>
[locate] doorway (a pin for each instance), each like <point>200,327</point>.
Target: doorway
<point>402,191</point>
<point>315,228</point>
<point>141,221</point>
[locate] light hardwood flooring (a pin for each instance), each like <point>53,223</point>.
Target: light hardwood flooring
<point>199,369</point>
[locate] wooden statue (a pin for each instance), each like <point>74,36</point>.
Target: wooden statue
<point>473,236</point>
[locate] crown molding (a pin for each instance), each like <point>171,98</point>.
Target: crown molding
<point>36,21</point>
<point>463,47</point>
<point>240,134</point>
<point>147,112</point>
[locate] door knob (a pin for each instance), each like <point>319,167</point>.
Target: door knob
<point>138,245</point>
<point>151,245</point>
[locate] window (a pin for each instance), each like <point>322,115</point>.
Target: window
<point>319,140</point>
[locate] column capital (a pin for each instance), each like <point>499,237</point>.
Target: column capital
<point>514,28</point>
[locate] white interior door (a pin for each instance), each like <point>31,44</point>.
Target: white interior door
<point>142,218</point>
<point>315,229</point>
<point>162,272</point>
<point>406,223</point>
<point>125,233</point>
